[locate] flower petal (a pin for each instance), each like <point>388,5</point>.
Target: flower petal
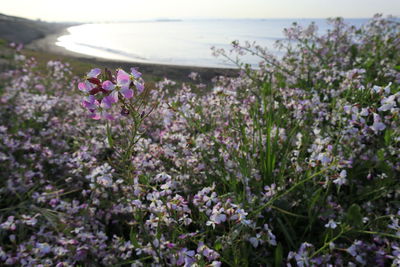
<point>378,126</point>
<point>107,116</point>
<point>108,85</point>
<point>89,102</point>
<point>126,92</point>
<point>106,102</point>
<point>139,86</point>
<point>95,116</point>
<point>123,78</point>
<point>114,96</point>
<point>109,100</point>
<point>94,73</point>
<point>136,74</point>
<point>85,86</point>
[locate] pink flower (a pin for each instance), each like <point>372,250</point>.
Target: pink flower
<point>124,81</point>
<point>101,95</point>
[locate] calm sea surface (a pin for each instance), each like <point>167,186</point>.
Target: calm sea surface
<point>186,42</point>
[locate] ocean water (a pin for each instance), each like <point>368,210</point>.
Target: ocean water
<point>181,42</point>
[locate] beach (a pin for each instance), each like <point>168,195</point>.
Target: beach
<point>173,72</point>
<point>40,41</point>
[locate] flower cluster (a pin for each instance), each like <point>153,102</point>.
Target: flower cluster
<point>104,90</point>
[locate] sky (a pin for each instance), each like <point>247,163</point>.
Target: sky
<point>129,10</point>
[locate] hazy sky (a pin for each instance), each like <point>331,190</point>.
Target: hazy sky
<point>111,10</point>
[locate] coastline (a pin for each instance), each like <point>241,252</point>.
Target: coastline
<point>178,73</point>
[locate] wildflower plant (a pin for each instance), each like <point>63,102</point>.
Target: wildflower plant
<point>120,96</point>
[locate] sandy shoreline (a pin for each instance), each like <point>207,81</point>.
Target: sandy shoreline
<point>41,37</point>
<point>174,72</point>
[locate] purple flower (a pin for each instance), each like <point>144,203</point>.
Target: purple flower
<point>136,74</point>
<point>185,257</point>
<point>81,253</point>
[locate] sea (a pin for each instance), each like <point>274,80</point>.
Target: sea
<point>185,42</point>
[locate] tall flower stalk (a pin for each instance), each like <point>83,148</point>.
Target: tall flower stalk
<point>118,97</point>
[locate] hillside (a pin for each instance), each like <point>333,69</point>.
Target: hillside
<point>20,30</point>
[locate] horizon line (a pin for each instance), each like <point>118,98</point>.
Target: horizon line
<point>166,19</point>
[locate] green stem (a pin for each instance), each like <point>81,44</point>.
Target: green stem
<point>109,135</point>
<point>342,231</point>
<point>378,233</point>
<point>272,200</point>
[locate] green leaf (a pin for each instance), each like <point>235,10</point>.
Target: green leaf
<point>218,246</point>
<point>381,154</point>
<point>133,238</point>
<point>353,51</point>
<point>278,255</point>
<point>109,136</point>
<point>388,137</point>
<point>370,62</point>
<point>284,228</point>
<point>354,216</point>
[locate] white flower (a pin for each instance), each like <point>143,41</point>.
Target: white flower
<point>352,250</point>
<point>388,103</point>
<point>323,157</point>
<point>376,88</point>
<point>254,241</point>
<point>105,181</point>
<point>364,112</point>
<point>341,180</point>
<point>331,224</point>
<point>378,126</point>
<point>387,88</point>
